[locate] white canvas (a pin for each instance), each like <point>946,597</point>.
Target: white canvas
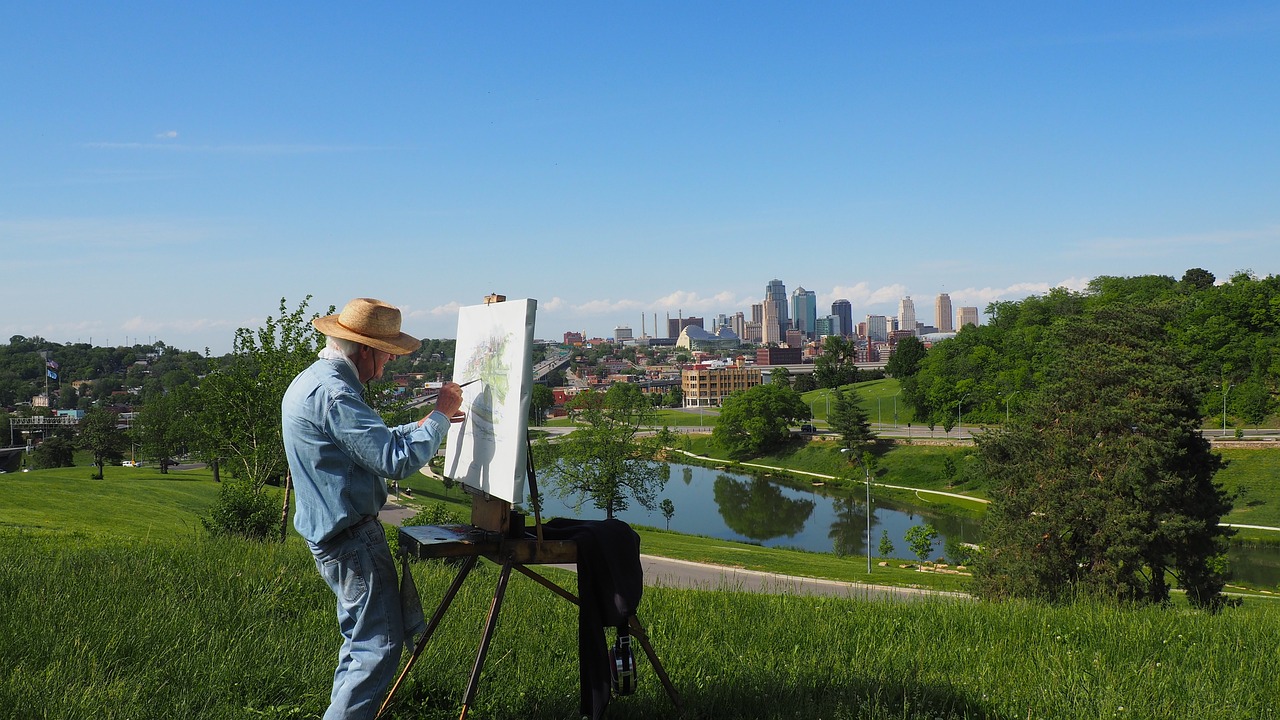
<point>488,451</point>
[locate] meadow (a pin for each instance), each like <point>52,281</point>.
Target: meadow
<point>115,604</point>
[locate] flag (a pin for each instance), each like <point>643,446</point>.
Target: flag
<point>52,375</point>
<point>51,364</point>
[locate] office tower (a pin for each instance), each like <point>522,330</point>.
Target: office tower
<point>843,310</point>
<point>877,327</point>
<point>770,328</point>
<point>907,315</point>
<point>967,316</point>
<point>795,338</point>
<point>757,312</point>
<point>804,311</point>
<point>828,325</point>
<point>775,294</point>
<point>622,335</point>
<point>739,325</point>
<point>942,313</point>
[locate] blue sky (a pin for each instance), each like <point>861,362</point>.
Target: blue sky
<point>172,170</point>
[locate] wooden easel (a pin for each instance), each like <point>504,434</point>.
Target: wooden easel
<point>492,535</point>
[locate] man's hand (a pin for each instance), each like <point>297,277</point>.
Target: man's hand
<point>449,401</point>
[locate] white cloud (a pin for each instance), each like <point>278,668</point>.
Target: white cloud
<point>167,135</point>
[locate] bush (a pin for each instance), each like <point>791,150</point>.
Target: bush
<point>55,452</point>
<point>243,510</point>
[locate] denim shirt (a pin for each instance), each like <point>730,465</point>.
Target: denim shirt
<point>339,449</point>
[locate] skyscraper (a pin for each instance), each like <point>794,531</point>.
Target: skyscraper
<point>907,315</point>
<point>775,294</point>
<point>804,309</point>
<point>877,327</point>
<point>942,313</point>
<point>967,316</point>
<point>843,310</point>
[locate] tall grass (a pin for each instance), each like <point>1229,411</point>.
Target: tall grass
<point>198,628</point>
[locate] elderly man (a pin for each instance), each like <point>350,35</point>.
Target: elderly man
<point>339,453</point>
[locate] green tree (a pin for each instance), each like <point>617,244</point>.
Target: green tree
<point>850,420</point>
<point>163,426</point>
<point>541,400</point>
<point>886,545</point>
<point>100,435</point>
<point>920,538</point>
<point>610,460</point>
<point>758,419</point>
<point>780,376</point>
<point>906,358</point>
<point>836,365</point>
<point>668,510</point>
<point>1105,485</point>
<point>237,413</point>
<point>54,452</point>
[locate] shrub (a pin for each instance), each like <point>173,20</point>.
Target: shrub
<point>243,510</point>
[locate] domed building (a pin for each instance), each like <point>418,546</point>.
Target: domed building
<point>694,338</point>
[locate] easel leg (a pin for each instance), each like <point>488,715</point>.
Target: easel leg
<point>636,629</point>
<point>489,627</point>
<point>431,628</point>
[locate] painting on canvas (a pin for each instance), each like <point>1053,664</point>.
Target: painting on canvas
<point>488,451</point>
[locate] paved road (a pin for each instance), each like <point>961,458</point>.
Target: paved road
<point>666,572</point>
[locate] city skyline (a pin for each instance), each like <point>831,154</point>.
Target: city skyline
<point>617,161</point>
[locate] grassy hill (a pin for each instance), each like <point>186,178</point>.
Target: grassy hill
<point>114,604</point>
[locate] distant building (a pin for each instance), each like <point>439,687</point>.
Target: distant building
<point>739,324</point>
<point>674,326</point>
<point>967,316</point>
<point>622,335</point>
<point>695,338</point>
<point>779,356</point>
<point>804,311</point>
<point>775,298</point>
<point>795,338</point>
<point>708,386</point>
<point>573,338</point>
<point>907,315</point>
<point>942,313</point>
<point>752,333</point>
<point>844,311</point>
<point>877,328</point>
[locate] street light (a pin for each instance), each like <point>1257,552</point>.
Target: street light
<point>1006,406</point>
<point>895,408</point>
<point>958,406</point>
<point>1225,389</point>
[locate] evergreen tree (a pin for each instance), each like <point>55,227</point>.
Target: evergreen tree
<point>1104,484</point>
<point>850,420</point>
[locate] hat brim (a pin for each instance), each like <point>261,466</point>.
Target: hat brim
<point>403,344</point>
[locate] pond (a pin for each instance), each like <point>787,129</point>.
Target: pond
<point>757,510</point>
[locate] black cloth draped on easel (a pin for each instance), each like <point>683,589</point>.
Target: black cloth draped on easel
<point>610,583</point>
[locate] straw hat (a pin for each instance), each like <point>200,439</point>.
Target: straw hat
<point>370,322</point>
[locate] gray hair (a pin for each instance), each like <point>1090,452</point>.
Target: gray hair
<point>348,348</point>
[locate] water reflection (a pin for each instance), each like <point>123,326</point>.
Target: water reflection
<point>848,529</point>
<point>757,509</point>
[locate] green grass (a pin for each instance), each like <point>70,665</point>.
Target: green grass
<point>197,628</point>
<point>1255,475</point>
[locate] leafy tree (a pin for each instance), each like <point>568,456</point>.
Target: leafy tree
<point>541,400</point>
<point>668,510</point>
<point>836,365</point>
<point>237,413</point>
<point>920,538</point>
<point>804,383</point>
<point>1198,279</point>
<point>780,376</point>
<point>675,396</point>
<point>238,404</point>
<point>850,420</point>
<point>886,545</point>
<point>163,426</point>
<point>100,435</point>
<point>906,358</point>
<point>609,460</point>
<point>758,419</point>
<point>54,452</point>
<point>1105,484</point>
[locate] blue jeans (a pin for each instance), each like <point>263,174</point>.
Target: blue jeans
<point>358,567</point>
